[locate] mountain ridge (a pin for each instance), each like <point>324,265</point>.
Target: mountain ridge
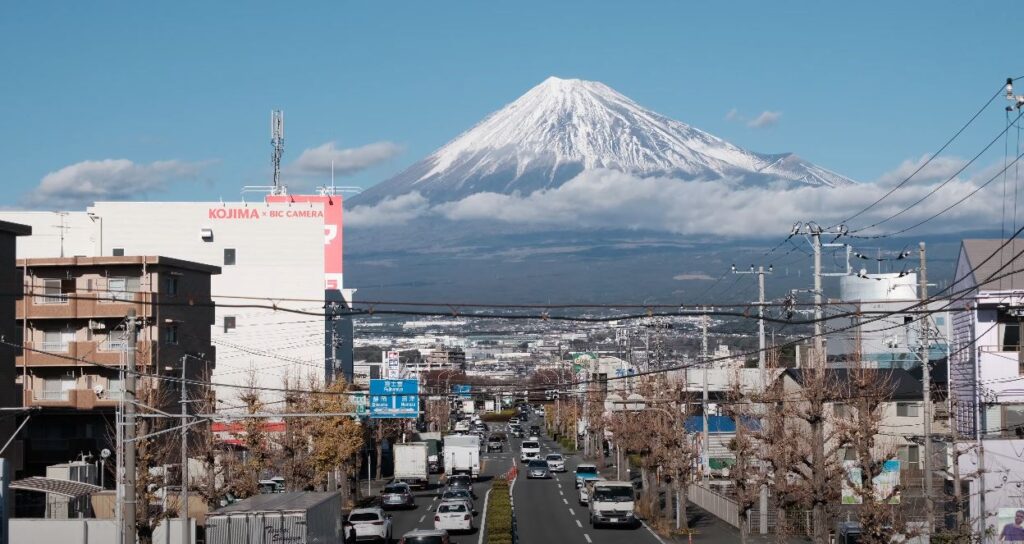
<point>562,127</point>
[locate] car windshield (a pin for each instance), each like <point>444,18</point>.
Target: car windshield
<point>554,457</point>
<point>453,507</point>
<point>531,445</point>
<point>363,516</point>
<point>434,539</point>
<point>394,489</point>
<point>616,494</point>
<point>456,494</point>
<point>538,464</point>
<point>586,470</point>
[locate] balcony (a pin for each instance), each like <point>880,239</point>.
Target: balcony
<point>78,399</point>
<point>54,354</point>
<point>83,305</point>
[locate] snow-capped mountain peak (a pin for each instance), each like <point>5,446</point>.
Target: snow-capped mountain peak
<point>562,127</point>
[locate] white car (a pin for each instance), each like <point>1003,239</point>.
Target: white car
<point>371,524</point>
<point>556,463</point>
<point>530,449</point>
<point>453,516</point>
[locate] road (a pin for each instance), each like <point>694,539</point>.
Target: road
<point>547,510</point>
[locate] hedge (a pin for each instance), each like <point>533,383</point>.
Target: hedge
<point>499,514</point>
<point>503,415</point>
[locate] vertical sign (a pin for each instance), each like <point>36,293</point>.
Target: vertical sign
<point>392,367</point>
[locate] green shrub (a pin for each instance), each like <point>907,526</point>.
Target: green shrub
<point>499,513</point>
<point>503,415</point>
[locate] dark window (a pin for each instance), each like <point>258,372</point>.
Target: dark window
<point>171,334</point>
<point>229,323</point>
<point>907,409</point>
<point>908,319</point>
<point>229,256</point>
<point>1009,330</point>
<point>119,252</point>
<point>170,285</point>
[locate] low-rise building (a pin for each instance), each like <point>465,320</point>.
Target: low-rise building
<point>73,319</point>
<point>10,286</point>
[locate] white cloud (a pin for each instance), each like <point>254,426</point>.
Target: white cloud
<point>609,199</point>
<point>317,160</point>
<point>940,169</point>
<point>692,277</point>
<point>83,183</point>
<point>766,119</point>
<point>733,115</point>
<point>389,212</point>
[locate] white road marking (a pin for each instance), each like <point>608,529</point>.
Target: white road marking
<point>571,511</point>
<point>655,535</point>
<point>560,492</point>
<point>586,536</point>
<point>578,524</point>
<point>564,500</point>
<point>422,518</point>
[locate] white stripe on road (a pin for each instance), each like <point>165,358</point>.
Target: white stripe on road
<point>565,500</point>
<point>586,536</point>
<point>483,519</point>
<point>655,535</point>
<point>578,524</point>
<point>424,516</point>
<point>571,511</point>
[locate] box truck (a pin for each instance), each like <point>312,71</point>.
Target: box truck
<point>462,454</point>
<point>411,463</point>
<point>312,518</point>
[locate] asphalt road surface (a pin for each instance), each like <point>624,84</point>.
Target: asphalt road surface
<point>547,511</point>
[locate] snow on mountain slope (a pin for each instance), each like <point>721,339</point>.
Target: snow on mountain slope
<point>564,126</point>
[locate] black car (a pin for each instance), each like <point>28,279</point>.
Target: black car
<point>460,481</point>
<point>534,430</point>
<point>496,442</point>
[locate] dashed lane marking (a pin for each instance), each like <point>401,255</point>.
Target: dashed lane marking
<point>578,524</point>
<point>423,517</point>
<point>566,501</point>
<point>586,536</point>
<point>571,511</point>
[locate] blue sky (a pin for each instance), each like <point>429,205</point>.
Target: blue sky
<point>860,87</point>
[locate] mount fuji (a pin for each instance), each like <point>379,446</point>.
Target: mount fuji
<point>563,127</point>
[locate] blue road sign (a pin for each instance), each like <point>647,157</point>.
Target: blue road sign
<point>394,398</point>
<point>462,390</point>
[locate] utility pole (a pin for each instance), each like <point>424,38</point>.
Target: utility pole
<point>760,313</point>
<point>183,502</point>
<point>927,411</point>
<point>815,378</point>
<point>128,531</point>
<point>705,364</point>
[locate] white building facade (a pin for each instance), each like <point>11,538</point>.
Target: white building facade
<point>270,295</point>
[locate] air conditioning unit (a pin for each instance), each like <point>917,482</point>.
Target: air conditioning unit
<point>97,325</point>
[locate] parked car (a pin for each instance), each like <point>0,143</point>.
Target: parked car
<point>453,516</point>
<point>425,536</point>
<point>371,524</point>
<point>556,463</point>
<point>537,468</point>
<point>397,495</point>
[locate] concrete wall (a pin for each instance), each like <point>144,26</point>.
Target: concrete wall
<point>84,531</point>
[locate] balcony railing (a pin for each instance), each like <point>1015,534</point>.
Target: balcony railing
<point>51,299</point>
<point>54,347</point>
<point>53,395</point>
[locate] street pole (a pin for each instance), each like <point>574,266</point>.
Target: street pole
<point>927,411</point>
<point>183,503</point>
<point>706,446</point>
<point>128,530</point>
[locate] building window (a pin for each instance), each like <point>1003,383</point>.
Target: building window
<point>229,256</point>
<point>57,341</point>
<point>53,292</point>
<point>839,410</point>
<point>1009,330</point>
<point>170,285</point>
<point>119,252</point>
<point>57,388</point>
<point>171,334</point>
<point>122,289</point>
<point>910,456</point>
<point>907,409</point>
<point>1013,420</point>
<point>229,323</point>
<point>206,235</point>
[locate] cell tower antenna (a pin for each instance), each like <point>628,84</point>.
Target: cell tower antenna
<point>277,140</point>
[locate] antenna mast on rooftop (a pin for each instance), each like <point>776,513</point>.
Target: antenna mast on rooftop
<point>277,140</point>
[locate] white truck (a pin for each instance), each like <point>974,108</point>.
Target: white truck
<point>411,464</point>
<point>612,503</point>
<point>462,455</point>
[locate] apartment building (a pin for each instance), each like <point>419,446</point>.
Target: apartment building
<point>986,377</point>
<point>10,286</point>
<point>72,319</point>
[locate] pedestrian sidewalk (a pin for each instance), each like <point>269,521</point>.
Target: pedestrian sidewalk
<point>708,528</point>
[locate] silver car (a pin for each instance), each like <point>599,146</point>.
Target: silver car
<point>538,468</point>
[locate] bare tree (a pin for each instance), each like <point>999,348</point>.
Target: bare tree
<point>746,474</point>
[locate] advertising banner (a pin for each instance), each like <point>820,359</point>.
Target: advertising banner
<point>332,217</point>
<point>392,367</point>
